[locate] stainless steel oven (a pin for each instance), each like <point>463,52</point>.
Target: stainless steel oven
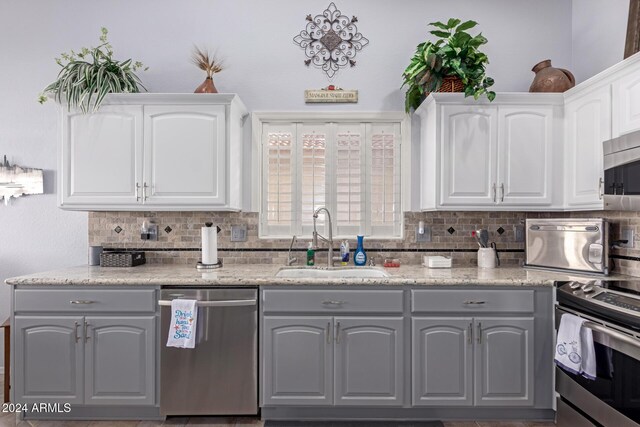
<point>621,185</point>
<point>612,312</point>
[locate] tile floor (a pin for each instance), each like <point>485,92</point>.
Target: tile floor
<point>9,420</point>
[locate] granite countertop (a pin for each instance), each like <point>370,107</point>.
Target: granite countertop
<point>258,275</point>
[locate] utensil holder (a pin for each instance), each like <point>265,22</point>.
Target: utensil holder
<point>486,258</point>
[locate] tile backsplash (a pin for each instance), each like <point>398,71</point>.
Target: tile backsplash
<point>179,237</point>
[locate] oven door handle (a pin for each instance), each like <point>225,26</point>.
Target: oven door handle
<point>613,333</point>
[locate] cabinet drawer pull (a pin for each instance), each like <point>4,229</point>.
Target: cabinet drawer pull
<point>494,192</point>
<point>80,301</point>
<point>144,191</point>
<point>86,331</point>
<point>501,192</point>
<point>474,302</point>
<point>337,332</point>
<point>479,332</point>
<point>333,302</point>
<point>328,332</point>
<point>75,331</point>
<point>600,184</point>
<point>470,337</point>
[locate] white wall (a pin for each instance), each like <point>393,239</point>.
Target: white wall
<point>598,33</point>
<point>263,66</point>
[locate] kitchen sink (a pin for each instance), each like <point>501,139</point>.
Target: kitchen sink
<point>331,273</point>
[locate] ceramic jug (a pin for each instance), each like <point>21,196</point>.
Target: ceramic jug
<point>550,79</point>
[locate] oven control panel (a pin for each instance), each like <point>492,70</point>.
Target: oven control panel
<point>619,301</point>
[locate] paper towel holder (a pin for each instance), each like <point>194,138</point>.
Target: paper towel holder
<point>205,267</point>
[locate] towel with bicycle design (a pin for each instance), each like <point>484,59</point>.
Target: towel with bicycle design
<point>575,352</point>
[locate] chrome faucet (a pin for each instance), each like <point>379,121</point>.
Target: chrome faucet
<point>329,241</point>
<point>291,260</point>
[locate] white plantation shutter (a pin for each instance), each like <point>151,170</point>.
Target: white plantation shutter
<point>312,145</point>
<point>279,187</point>
<point>384,182</point>
<point>350,157</point>
<point>353,169</point>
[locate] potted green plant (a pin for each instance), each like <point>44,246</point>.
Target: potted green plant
<point>452,63</point>
<point>89,75</point>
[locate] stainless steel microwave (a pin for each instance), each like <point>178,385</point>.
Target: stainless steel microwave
<point>621,186</point>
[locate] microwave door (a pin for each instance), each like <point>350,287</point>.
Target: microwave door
<point>566,247</point>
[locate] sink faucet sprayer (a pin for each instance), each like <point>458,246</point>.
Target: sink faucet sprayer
<point>329,241</point>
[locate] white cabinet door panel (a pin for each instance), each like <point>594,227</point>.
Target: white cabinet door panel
<point>588,125</point>
<point>101,156</point>
<point>626,104</point>
<point>184,148</point>
<point>469,144</point>
<point>524,155</point>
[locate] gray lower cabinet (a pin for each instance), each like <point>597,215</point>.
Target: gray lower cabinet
<point>464,361</point>
<point>369,361</point>
<point>297,360</point>
<point>442,361</point>
<point>120,360</point>
<point>89,360</point>
<point>504,361</point>
<point>324,360</point>
<point>49,359</point>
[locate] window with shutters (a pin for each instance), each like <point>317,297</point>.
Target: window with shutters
<point>350,167</point>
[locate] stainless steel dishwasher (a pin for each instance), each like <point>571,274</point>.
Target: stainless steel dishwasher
<point>219,375</point>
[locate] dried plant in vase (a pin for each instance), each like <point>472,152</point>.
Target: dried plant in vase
<point>209,64</point>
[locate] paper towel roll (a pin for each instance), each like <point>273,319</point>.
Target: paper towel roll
<point>210,245</point>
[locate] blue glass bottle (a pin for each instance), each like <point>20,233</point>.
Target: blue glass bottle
<point>360,256</point>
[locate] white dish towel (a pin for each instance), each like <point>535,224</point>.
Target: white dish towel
<point>184,318</point>
<point>574,347</point>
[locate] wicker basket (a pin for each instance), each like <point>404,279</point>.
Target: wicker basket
<point>122,259</point>
<point>451,84</point>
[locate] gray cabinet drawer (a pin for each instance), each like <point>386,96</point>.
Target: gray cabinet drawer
<point>86,300</point>
<point>320,301</point>
<point>491,301</point>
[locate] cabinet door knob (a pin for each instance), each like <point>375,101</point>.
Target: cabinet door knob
<point>75,331</point>
<point>328,332</point>
<point>86,331</point>
<point>600,185</point>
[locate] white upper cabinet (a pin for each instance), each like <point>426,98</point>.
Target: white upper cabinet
<point>477,155</point>
<point>470,139</point>
<point>626,103</point>
<point>101,156</point>
<point>154,152</point>
<point>184,154</point>
<point>587,125</point>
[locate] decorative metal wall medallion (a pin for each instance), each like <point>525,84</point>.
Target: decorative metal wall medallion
<point>331,40</point>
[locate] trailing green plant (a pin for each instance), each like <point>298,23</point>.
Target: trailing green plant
<point>454,53</point>
<point>89,75</point>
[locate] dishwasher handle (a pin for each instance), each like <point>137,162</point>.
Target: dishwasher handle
<point>223,303</point>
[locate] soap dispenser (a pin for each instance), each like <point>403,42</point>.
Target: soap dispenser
<point>360,256</point>
<point>311,255</point>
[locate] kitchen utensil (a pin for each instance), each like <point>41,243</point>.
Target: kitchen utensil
<point>495,248</point>
<point>474,233</point>
<point>483,237</point>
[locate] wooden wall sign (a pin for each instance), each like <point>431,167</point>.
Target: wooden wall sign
<point>330,94</point>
